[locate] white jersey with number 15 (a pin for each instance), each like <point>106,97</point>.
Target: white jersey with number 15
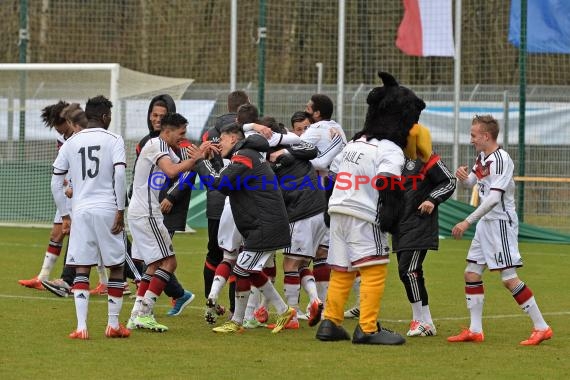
<point>89,157</point>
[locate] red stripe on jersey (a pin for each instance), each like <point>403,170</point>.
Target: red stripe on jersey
<point>244,160</point>
<point>524,295</point>
<point>138,149</point>
<point>428,165</point>
<point>205,136</point>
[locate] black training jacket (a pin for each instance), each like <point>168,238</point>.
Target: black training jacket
<point>299,182</point>
<point>433,182</point>
<point>257,204</point>
<point>214,199</point>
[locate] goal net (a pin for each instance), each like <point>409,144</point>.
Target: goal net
<point>28,148</point>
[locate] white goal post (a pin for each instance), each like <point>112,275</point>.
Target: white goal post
<point>28,148</point>
<point>113,68</point>
<point>81,82</point>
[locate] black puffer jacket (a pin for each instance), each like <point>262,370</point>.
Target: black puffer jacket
<point>299,182</point>
<point>257,205</point>
<point>433,182</point>
<point>214,199</point>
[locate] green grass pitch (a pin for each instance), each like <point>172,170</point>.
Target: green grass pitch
<point>35,325</point>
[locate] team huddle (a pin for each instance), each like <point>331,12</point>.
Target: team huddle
<point>331,238</point>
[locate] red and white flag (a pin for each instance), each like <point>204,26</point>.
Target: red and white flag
<point>426,29</point>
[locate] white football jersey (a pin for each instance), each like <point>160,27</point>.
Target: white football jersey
<point>495,172</point>
<point>89,158</point>
<point>361,161</point>
<point>60,141</point>
<point>148,179</point>
<point>319,135</point>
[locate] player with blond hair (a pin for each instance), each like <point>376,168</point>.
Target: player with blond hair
<point>495,244</point>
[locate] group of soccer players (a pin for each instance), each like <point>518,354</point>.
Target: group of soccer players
<point>248,224</point>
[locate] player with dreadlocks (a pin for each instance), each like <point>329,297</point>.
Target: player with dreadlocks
<point>51,117</point>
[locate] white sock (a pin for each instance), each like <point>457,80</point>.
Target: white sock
<point>137,307</point>
<point>241,305</point>
<point>475,306</point>
<point>252,303</point>
<point>49,261</point>
<point>531,308</point>
<point>217,286</point>
<point>81,297</point>
<point>292,293</point>
<point>102,271</point>
<point>426,315</point>
<point>322,288</point>
<point>148,302</point>
<point>114,305</point>
<point>264,302</point>
<point>273,297</point>
<point>310,287</point>
<point>417,311</point>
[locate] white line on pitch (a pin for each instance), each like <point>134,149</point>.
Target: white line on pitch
<point>104,301</point>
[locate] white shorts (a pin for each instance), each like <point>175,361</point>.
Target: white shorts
<point>356,243</point>
<point>306,235</point>
<point>91,240</point>
<point>326,238</point>
<point>250,261</point>
<point>495,244</point>
<point>57,218</point>
<point>151,240</point>
<point>229,238</point>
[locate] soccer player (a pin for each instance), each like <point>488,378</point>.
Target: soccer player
<point>495,244</point>
<point>259,214</point>
<point>320,109</point>
<point>174,199</point>
<point>156,162</point>
<point>95,159</point>
<point>52,119</point>
<point>229,237</point>
<point>305,203</point>
<point>300,121</point>
<point>61,287</point>
<point>214,208</point>
<point>76,118</point>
